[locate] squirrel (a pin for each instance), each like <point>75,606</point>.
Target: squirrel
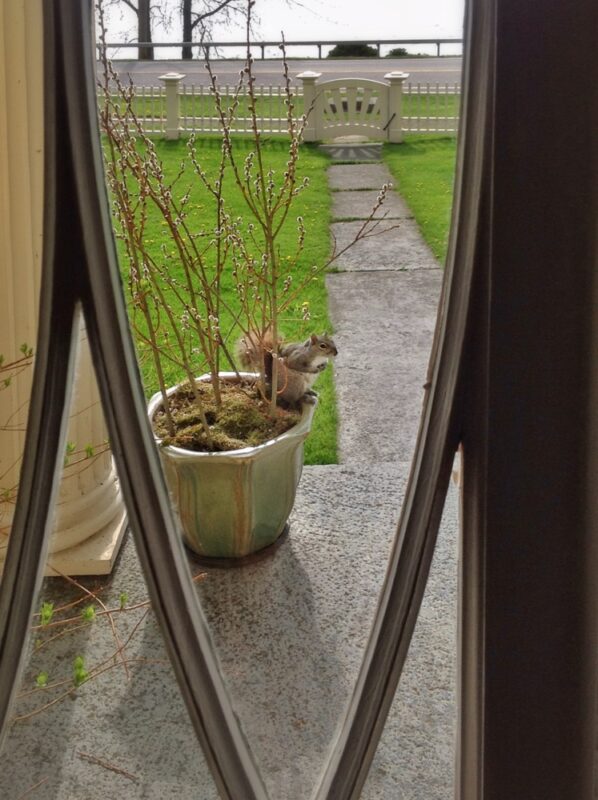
<point>299,363</point>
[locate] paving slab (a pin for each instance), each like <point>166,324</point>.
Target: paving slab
<point>384,324</point>
<point>358,205</point>
<point>345,177</point>
<point>397,246</point>
<point>290,631</point>
<point>416,756</point>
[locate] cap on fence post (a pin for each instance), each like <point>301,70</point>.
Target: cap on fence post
<point>171,84</point>
<point>312,108</point>
<point>395,113</point>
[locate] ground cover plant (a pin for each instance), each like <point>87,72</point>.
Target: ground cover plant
<point>424,168</point>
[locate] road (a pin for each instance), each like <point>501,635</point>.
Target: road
<point>269,72</point>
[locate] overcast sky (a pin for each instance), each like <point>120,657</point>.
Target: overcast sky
<point>360,19</point>
<point>333,19</point>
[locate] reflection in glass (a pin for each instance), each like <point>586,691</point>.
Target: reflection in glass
<point>99,713</point>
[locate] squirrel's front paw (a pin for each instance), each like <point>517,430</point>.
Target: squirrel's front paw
<point>310,397</point>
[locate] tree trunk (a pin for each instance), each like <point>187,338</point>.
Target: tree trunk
<point>144,30</point>
<point>187,52</point>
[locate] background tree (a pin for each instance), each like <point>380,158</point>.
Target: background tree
<point>144,12</point>
<point>199,15</point>
<point>196,17</point>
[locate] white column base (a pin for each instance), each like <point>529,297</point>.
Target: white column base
<point>94,556</point>
<point>89,531</point>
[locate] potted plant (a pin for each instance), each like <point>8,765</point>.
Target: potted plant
<point>232,449</point>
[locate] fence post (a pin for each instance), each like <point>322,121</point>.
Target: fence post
<point>312,130</point>
<point>394,131</point>
<point>171,84</point>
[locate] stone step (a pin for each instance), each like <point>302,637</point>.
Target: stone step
<point>371,151</point>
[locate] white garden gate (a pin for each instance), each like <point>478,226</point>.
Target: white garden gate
<point>353,106</point>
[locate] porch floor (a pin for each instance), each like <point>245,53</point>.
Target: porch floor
<point>290,629</point>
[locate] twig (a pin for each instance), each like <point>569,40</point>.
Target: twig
<point>72,604</point>
<point>70,620</point>
<point>32,788</point>
<point>73,689</point>
<point>59,635</point>
<point>103,606</point>
<point>112,767</point>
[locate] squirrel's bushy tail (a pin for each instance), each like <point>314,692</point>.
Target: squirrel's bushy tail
<point>256,351</point>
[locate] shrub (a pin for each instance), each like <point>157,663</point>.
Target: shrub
<point>178,294</point>
<point>352,50</point>
<point>397,52</point>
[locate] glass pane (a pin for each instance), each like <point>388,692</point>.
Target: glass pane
<point>99,713</point>
<point>222,255</point>
<point>416,756</point>
<point>291,629</point>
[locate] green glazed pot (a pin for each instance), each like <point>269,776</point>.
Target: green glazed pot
<point>236,503</point>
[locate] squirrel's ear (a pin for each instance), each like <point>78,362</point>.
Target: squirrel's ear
<point>313,338</point>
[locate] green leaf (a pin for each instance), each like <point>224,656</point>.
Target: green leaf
<point>46,613</point>
<point>88,613</point>
<point>42,679</point>
<point>89,451</point>
<point>124,599</point>
<point>70,449</point>
<point>80,674</point>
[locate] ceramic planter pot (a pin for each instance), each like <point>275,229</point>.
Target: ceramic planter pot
<point>235,503</point>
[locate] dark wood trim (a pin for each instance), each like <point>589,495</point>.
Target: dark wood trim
<point>530,579</point>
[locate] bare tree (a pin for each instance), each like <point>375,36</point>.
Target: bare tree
<point>143,10</point>
<point>144,28</point>
<point>198,15</point>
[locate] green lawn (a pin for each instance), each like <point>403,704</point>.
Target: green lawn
<point>313,205</point>
<point>423,168</point>
<point>431,104</point>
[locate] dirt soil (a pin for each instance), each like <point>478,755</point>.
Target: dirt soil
<point>242,421</point>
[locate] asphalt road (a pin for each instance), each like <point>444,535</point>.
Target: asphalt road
<point>269,72</point>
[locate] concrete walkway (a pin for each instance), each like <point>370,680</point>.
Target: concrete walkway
<point>290,630</point>
<point>383,303</point>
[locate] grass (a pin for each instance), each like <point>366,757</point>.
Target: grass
<point>423,168</point>
<point>314,206</point>
<point>430,104</point>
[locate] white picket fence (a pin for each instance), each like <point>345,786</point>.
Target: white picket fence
<point>432,108</point>
<point>349,106</point>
